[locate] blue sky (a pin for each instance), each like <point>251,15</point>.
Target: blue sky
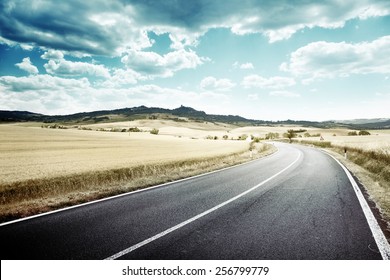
<point>270,60</point>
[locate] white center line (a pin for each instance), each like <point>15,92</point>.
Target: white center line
<point>161,234</point>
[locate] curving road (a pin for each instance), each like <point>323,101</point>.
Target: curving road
<point>295,204</point>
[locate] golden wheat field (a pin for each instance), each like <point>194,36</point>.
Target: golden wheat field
<point>28,151</point>
<point>32,152</point>
<point>379,140</point>
<point>189,129</point>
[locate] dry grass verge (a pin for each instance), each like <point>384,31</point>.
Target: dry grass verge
<point>374,174</point>
<point>29,197</point>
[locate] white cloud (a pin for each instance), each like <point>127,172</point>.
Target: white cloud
<point>57,65</point>
<point>151,64</point>
<point>378,9</point>
<point>27,47</point>
<point>243,66</point>
<point>121,78</point>
<point>321,59</point>
<point>247,65</point>
<point>53,55</point>
<point>277,82</point>
<point>27,66</point>
<point>42,82</point>
<point>181,38</point>
<point>282,33</point>
<point>211,83</point>
<point>64,67</point>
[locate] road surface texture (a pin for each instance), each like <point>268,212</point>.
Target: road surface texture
<point>295,204</point>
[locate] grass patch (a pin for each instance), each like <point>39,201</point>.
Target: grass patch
<point>28,197</point>
<point>321,144</point>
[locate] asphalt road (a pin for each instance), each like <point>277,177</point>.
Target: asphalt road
<point>295,204</point>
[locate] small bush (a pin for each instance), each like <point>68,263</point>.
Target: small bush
<point>154,131</point>
<point>299,130</point>
<point>54,126</point>
<point>364,132</point>
<point>272,135</point>
<point>134,129</point>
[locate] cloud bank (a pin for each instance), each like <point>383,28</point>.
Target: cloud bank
<point>112,27</point>
<point>319,60</point>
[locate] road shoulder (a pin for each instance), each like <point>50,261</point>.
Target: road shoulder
<point>365,184</point>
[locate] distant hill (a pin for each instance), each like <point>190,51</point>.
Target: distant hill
<point>18,116</point>
<point>182,113</point>
<point>382,123</point>
<point>374,125</point>
<point>362,121</point>
<point>124,114</point>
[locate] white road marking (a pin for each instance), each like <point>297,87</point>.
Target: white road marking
<point>161,234</point>
<point>380,239</point>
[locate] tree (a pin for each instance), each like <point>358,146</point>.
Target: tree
<point>290,134</point>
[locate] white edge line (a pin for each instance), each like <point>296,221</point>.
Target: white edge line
<point>163,233</point>
<point>377,233</point>
<point>133,192</point>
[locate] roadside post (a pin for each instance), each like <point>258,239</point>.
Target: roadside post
<point>345,152</point>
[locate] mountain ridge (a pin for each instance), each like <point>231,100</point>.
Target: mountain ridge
<point>142,112</point>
